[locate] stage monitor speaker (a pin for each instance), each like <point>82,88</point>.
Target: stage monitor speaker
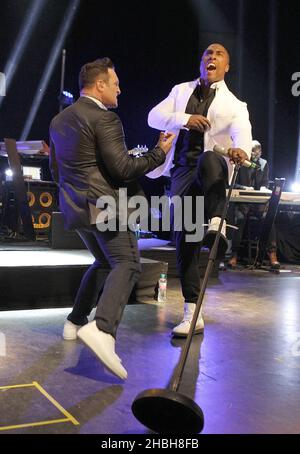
<point>42,200</point>
<point>60,238</point>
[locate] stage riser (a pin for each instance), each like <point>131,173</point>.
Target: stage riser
<point>169,256</point>
<point>55,286</point>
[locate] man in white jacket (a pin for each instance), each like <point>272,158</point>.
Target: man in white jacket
<point>202,113</point>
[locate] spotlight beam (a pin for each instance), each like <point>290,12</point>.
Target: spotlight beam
<point>21,42</point>
<point>54,54</point>
<point>2,84</point>
<point>297,172</point>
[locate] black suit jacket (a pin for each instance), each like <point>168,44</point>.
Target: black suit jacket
<point>89,159</point>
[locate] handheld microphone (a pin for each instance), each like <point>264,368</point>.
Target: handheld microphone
<point>221,150</point>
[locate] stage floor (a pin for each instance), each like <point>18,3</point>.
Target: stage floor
<point>244,371</point>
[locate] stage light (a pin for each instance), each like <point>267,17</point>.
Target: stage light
<point>21,42</point>
<point>295,187</point>
<point>54,54</point>
<point>66,99</point>
<point>8,175</point>
<point>67,94</point>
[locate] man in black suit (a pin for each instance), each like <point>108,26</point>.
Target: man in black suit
<point>258,180</point>
<point>89,160</point>
<point>252,178</point>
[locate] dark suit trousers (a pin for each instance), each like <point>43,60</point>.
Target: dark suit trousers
<point>109,281</point>
<point>209,178</point>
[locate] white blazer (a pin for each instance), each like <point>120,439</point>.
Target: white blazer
<point>228,116</point>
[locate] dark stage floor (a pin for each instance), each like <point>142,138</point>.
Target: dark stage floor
<point>244,371</point>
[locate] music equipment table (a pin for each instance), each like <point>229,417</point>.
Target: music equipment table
<point>287,199</point>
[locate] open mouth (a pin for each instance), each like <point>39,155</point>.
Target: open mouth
<point>211,67</point>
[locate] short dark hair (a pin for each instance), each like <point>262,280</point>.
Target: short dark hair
<point>218,44</point>
<point>90,71</point>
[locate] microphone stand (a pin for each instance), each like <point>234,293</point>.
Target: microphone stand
<point>166,410</point>
<point>62,78</point>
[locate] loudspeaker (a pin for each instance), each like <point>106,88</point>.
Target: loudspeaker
<point>42,201</point>
<point>60,238</point>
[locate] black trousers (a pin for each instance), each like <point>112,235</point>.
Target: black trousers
<point>109,281</point>
<point>209,178</point>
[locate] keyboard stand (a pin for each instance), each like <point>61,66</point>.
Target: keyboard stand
<point>268,223</point>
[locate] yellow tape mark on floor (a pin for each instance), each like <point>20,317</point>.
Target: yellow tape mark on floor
<point>35,424</point>
<point>69,417</point>
<point>56,404</point>
<point>26,385</point>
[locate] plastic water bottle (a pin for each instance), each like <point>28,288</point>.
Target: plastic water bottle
<point>162,289</point>
<point>137,231</point>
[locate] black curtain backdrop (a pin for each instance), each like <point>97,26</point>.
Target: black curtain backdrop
<point>288,236</point>
<point>155,45</point>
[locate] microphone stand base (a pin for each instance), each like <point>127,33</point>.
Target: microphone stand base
<point>167,411</point>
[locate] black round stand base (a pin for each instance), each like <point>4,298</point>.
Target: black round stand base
<point>166,411</point>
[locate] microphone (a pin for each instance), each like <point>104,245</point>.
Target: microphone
<point>249,164</point>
